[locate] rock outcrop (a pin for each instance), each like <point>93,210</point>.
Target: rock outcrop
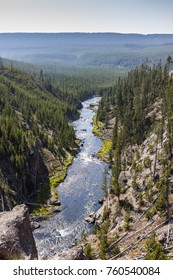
<point>75,253</point>
<point>16,239</point>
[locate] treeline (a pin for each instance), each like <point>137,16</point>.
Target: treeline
<point>75,84</point>
<point>131,98</point>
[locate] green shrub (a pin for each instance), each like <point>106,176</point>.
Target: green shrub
<point>154,249</point>
<point>147,162</point>
<point>115,251</point>
<point>88,252</point>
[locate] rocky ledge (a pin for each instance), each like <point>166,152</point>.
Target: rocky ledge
<point>16,239</point>
<point>75,253</point>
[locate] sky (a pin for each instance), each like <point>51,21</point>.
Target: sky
<point>123,16</point>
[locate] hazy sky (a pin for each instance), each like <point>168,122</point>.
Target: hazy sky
<point>125,16</point>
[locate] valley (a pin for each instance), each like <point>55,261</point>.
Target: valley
<point>86,141</point>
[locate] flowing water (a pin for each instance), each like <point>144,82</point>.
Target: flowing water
<point>79,193</point>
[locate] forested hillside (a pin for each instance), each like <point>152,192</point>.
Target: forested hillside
<point>71,84</point>
<point>36,139</point>
<point>78,84</point>
<point>135,119</point>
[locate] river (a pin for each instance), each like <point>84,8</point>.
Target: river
<point>79,193</point>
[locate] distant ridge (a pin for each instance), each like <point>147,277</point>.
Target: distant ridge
<point>83,38</point>
<point>86,49</point>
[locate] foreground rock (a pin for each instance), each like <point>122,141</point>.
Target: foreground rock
<point>75,253</point>
<point>91,218</point>
<point>16,239</point>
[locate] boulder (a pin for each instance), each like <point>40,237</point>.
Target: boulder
<point>101,200</point>
<point>54,202</point>
<point>162,237</point>
<point>91,218</point>
<point>91,214</point>
<point>34,225</point>
<point>99,214</point>
<point>75,253</point>
<point>16,239</point>
<point>56,209</point>
<point>124,177</point>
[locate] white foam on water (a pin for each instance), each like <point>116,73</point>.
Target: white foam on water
<point>66,231</point>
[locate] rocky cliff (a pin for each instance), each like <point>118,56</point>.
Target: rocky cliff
<point>19,188</point>
<point>16,239</point>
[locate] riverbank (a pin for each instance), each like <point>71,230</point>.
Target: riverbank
<point>47,200</point>
<point>100,131</point>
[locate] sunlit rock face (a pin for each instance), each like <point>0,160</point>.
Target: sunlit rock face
<point>16,239</point>
<point>75,253</point>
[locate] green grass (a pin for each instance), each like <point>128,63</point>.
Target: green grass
<point>107,144</point>
<point>55,181</point>
<point>105,150</point>
<point>60,174</point>
<point>48,189</point>
<point>97,125</point>
<point>45,211</point>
